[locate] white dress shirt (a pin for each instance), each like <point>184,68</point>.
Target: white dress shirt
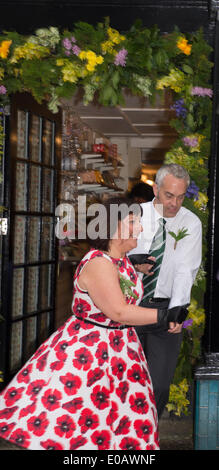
<point>179,266</point>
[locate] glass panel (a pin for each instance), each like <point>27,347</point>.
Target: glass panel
<point>44,330</point>
<point>22,134</point>
<point>32,288</point>
<point>31,331</point>
<point>48,178</point>
<point>45,279</point>
<point>19,240</point>
<point>16,346</point>
<point>48,138</point>
<point>47,238</point>
<point>34,199</point>
<point>35,141</point>
<point>18,292</point>
<point>33,239</point>
<point>21,187</point>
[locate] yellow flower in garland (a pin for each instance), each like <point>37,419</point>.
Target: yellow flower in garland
<point>183,45</point>
<point>29,51</point>
<point>178,402</point>
<point>115,36</point>
<point>196,313</point>
<point>175,80</point>
<point>4,49</point>
<point>201,203</point>
<point>107,46</point>
<point>92,59</point>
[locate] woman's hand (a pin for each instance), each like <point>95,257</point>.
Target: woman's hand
<point>146,268</point>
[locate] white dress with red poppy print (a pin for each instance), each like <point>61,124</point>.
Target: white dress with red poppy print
<point>87,386</point>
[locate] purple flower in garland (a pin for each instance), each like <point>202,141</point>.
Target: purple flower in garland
<point>3,90</point>
<point>187,323</point>
<point>179,108</point>
<point>71,46</point>
<point>192,191</point>
<point>76,50</point>
<point>199,91</point>
<point>190,141</point>
<point>120,58</point>
<point>67,44</point>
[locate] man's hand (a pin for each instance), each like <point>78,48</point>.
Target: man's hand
<point>175,327</point>
<point>145,268</point>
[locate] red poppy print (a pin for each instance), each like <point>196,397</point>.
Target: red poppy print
<point>74,405</point>
<point>128,443</point>
<point>81,308</point>
<point>152,397</point>
<point>51,399</point>
<point>100,397</point>
<point>12,395</point>
<point>20,438</point>
<point>77,442</point>
<point>123,426</point>
<point>93,376</point>
<point>133,355</point>
<point>7,413</point>
<point>61,349</point>
<point>74,328</point>
<point>91,338</point>
<point>139,403</point>
<point>132,275</point>
<point>116,341</point>
<point>65,426</point>
<point>39,351</point>
<point>122,391</point>
<point>98,316</point>
<point>38,424</point>
<point>83,359</point>
<point>24,374</point>
<point>101,439</point>
<point>143,429</point>
<point>27,410</point>
<point>5,429</point>
<point>34,388</point>
<point>118,367</point>
<point>113,414</point>
<point>137,374</point>
<point>71,382</point>
<point>42,361</point>
<point>51,445</point>
<point>102,353</point>
<point>57,365</point>
<point>132,337</point>
<point>88,420</point>
<point>56,339</point>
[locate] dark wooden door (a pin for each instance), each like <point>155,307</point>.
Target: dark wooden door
<point>29,254</point>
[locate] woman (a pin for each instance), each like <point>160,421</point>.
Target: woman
<point>87,386</point>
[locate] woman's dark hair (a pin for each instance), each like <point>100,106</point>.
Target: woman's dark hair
<point>142,191</point>
<point>115,210</point>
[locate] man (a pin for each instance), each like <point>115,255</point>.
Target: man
<point>175,270</point>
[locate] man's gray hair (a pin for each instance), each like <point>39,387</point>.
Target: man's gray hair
<point>172,169</point>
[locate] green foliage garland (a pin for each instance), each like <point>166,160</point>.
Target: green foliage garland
<point>52,65</point>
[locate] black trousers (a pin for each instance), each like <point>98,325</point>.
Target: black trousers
<point>161,350</point>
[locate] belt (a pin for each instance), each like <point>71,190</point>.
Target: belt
<point>108,327</point>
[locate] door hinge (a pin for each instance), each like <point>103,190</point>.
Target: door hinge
<point>3,226</point>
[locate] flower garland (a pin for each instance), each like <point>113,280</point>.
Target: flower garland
<point>52,65</point>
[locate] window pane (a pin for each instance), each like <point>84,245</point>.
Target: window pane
<point>32,288</point>
<point>18,292</point>
<point>19,239</point>
<point>45,279</point>
<point>16,346</point>
<point>48,147</point>
<point>21,187</point>
<point>44,330</point>
<point>33,239</point>
<point>22,134</point>
<point>31,332</point>
<point>34,195</point>
<point>48,181</point>
<point>35,139</point>
<point>46,238</point>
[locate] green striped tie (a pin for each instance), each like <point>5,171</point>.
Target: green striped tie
<point>156,250</point>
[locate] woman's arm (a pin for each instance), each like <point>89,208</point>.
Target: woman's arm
<point>100,278</point>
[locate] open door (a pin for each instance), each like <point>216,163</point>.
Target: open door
<point>29,255</point>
